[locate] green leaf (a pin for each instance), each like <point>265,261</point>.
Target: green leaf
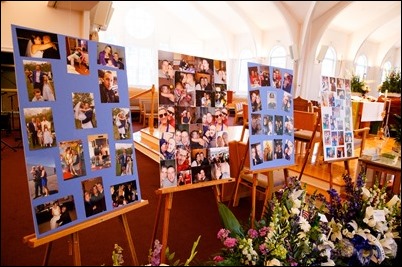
<point>171,256</point>
<point>229,220</point>
<point>193,252</point>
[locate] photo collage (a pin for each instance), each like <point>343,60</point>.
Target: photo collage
<point>76,166</point>
<point>192,119</point>
<point>336,116</point>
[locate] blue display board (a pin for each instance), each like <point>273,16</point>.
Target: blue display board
<point>76,128</point>
<point>270,108</point>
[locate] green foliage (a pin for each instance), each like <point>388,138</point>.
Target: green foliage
<point>170,256</point>
<point>392,82</point>
<point>229,220</point>
<point>357,85</point>
<point>397,128</point>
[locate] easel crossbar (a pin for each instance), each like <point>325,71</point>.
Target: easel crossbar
<point>33,242</point>
<point>193,186</point>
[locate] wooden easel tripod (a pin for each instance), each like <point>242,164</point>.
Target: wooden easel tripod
<point>168,193</point>
<point>74,244</point>
<point>250,178</point>
<point>310,147</point>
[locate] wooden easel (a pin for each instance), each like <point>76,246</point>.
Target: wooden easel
<point>74,244</point>
<point>168,193</point>
<point>267,171</point>
<point>310,146</point>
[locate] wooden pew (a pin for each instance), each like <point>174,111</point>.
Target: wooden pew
<point>304,124</point>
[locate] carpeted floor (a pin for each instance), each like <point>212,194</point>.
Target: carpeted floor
<point>194,212</point>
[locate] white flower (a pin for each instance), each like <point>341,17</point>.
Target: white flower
<point>390,247</point>
<point>366,193</point>
<point>336,230</point>
<point>381,227</point>
<point>394,200</point>
<point>328,263</point>
<point>348,234</point>
<point>369,218</point>
<point>296,194</point>
<point>304,224</point>
<point>273,262</point>
<point>295,211</point>
<point>296,203</point>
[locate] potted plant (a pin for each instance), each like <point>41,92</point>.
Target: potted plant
<point>392,83</point>
<point>357,85</point>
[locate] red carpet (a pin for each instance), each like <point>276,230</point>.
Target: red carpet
<point>194,213</point>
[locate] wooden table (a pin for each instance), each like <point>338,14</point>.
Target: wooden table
<point>381,168</point>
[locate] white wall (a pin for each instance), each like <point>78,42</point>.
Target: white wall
<point>169,34</point>
<point>38,15</point>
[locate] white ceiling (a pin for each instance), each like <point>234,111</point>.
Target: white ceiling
<point>379,20</point>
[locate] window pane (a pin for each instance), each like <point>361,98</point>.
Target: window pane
<point>278,57</point>
<point>329,63</point>
<point>361,67</point>
<point>245,57</point>
<point>386,69</point>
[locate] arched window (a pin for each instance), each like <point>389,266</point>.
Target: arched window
<point>134,28</point>
<point>278,57</point>
<point>244,58</point>
<point>328,66</point>
<point>361,67</point>
<point>386,69</point>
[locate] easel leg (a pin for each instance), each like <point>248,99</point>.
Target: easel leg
<point>168,207</point>
<point>217,192</point>
<point>158,213</point>
<point>47,254</point>
<point>235,198</point>
<point>253,198</point>
<point>331,178</point>
<point>76,249</point>
<point>123,218</point>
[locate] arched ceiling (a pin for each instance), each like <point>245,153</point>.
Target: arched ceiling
<point>256,17</point>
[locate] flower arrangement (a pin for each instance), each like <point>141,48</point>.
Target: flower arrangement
<point>117,256</point>
<point>296,231</point>
<point>292,232</point>
<point>363,225</point>
<point>154,256</point>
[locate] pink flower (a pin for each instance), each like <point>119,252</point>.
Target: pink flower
<point>263,231</point>
<point>263,249</point>
<point>252,233</point>
<point>230,242</point>
<point>223,234</point>
<point>218,259</point>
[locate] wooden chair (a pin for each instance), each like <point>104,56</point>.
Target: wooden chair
<point>135,108</point>
<point>302,104</point>
<point>146,112</point>
<point>238,112</point>
<point>315,151</point>
<point>304,125</point>
<point>359,140</point>
<point>265,182</point>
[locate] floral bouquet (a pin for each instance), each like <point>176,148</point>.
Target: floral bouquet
<point>154,256</point>
<point>363,224</point>
<point>293,232</point>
